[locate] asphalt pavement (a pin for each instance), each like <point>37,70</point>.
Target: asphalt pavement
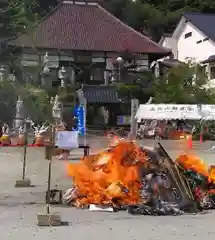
<point>19,206</point>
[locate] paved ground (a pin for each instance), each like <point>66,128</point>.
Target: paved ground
<point>19,207</point>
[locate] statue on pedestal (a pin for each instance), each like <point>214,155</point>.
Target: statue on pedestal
<point>20,114</point>
<point>57,109</point>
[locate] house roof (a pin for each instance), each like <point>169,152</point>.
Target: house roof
<point>170,63</point>
<point>204,22</point>
<point>100,94</point>
<point>88,27</point>
<point>211,58</point>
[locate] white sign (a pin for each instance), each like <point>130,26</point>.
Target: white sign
<point>67,139</point>
<point>151,133</point>
<point>175,111</point>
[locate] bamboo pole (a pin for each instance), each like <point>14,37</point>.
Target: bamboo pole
<point>50,153</point>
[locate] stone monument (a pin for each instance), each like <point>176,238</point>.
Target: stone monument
<point>57,109</point>
<point>20,114</point>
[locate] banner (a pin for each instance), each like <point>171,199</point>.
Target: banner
<point>175,111</point>
<point>123,120</point>
<point>79,113</point>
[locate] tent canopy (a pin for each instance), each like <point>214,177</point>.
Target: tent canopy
<point>175,111</point>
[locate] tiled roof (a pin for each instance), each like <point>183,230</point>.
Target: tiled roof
<point>204,22</point>
<point>100,94</point>
<point>209,59</point>
<point>87,27</point>
<point>170,62</point>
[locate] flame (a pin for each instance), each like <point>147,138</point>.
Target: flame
<point>211,177</point>
<point>192,162</point>
<point>109,176</point>
<point>113,176</point>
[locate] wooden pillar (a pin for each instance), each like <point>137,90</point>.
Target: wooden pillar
<point>134,107</point>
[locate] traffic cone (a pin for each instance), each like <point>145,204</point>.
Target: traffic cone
<point>190,141</point>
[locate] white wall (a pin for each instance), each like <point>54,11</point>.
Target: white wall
<point>188,47</point>
<point>171,43</point>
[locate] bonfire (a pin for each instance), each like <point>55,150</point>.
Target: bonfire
<point>111,177</point>
<point>142,180</point>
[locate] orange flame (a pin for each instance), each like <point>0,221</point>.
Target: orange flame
<point>211,178</point>
<point>113,176</point>
<point>110,175</point>
<point>192,162</point>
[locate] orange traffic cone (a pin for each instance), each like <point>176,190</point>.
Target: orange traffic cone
<point>190,141</point>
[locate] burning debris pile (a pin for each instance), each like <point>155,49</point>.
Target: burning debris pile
<point>143,181</point>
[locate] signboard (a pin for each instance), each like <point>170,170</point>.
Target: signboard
<point>175,111</point>
<point>79,113</point>
<point>67,139</point>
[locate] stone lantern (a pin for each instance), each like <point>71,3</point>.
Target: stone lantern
<point>61,76</point>
<point>2,72</point>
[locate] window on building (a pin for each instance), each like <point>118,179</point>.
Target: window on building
<point>65,63</point>
<point>198,41</point>
<point>212,73</point>
<point>206,39</point>
<point>97,74</point>
<point>187,35</point>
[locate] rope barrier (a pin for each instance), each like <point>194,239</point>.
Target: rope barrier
<point>18,145</point>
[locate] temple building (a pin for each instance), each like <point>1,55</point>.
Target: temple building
<point>89,42</point>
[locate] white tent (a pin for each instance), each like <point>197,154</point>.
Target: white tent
<point>175,111</point>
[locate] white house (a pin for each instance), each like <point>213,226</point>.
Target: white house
<point>194,38</point>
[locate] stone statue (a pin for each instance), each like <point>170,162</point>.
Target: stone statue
<point>20,114</point>
<point>57,108</point>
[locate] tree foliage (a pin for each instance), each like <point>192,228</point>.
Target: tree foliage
<point>155,16</point>
<point>183,84</point>
<point>36,101</point>
<point>24,14</point>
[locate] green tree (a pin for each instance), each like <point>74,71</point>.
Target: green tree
<point>156,16</point>
<point>23,15</point>
<point>183,84</point>
<point>36,101</point>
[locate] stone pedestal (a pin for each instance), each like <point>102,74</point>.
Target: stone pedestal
<point>49,220</point>
<point>23,183</point>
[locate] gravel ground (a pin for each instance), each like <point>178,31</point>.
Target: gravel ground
<point>19,207</point>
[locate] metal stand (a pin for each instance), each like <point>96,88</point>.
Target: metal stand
<point>48,218</point>
<point>50,152</point>
<point>24,182</point>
